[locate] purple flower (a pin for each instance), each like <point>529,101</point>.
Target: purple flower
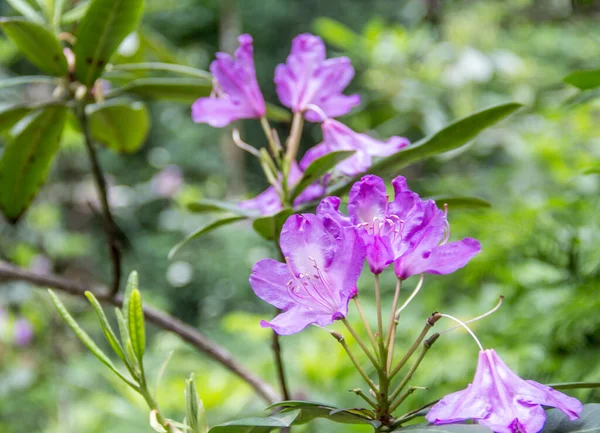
<point>409,232</point>
<point>337,136</point>
<point>324,260</point>
<point>23,332</point>
<point>502,401</point>
<point>268,202</point>
<point>236,94</point>
<point>308,78</point>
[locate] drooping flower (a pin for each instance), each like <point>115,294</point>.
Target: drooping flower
<point>323,262</point>
<point>307,77</point>
<point>502,401</point>
<point>409,232</point>
<point>268,202</point>
<point>337,136</point>
<point>236,94</point>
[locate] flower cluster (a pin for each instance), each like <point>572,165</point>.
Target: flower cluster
<point>312,86</point>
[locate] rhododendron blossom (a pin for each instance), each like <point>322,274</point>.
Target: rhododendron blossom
<point>324,259</point>
<point>307,77</point>
<point>502,401</point>
<point>236,94</point>
<point>337,136</point>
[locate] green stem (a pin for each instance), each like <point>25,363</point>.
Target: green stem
<point>393,315</point>
<point>365,322</point>
<point>379,317</point>
<point>342,341</point>
<point>293,142</point>
<point>404,396</point>
<point>273,145</point>
<point>361,344</point>
<point>362,395</point>
<point>153,405</point>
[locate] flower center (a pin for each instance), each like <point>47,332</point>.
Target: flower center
<point>390,227</point>
<point>311,289</point>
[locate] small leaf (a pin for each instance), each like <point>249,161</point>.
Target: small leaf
<point>461,202</point>
<point>108,332</point>
<point>278,114</point>
<point>311,410</point>
<point>38,44</point>
<point>585,79</point>
<point>162,67</point>
<point>137,331</point>
<point>120,126</point>
<point>207,205</point>
<point>27,158</point>
<point>25,9</point>
<point>196,414</point>
<point>588,422</point>
<point>76,13</point>
<point>132,360</point>
<point>132,284</point>
<point>204,230</point>
<point>101,30</point>
<point>170,89</point>
<point>447,428</point>
<point>318,168</point>
<point>257,425</point>
<point>10,115</point>
<point>85,338</point>
<point>269,227</point>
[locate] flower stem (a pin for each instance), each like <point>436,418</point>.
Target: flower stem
<point>340,338</point>
<point>273,145</point>
<point>362,395</point>
<point>404,396</point>
<point>365,322</point>
<point>430,322</point>
<point>382,354</point>
<point>426,346</point>
<point>361,344</point>
<point>293,142</point>
<point>393,315</point>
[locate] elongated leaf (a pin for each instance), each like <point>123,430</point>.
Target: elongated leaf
<point>593,170</point>
<point>25,9</point>
<point>162,67</point>
<point>76,13</point>
<point>101,30</point>
<point>137,331</point>
<point>461,202</point>
<point>451,137</point>
<point>204,230</point>
<point>26,80</point>
<point>161,371</point>
<point>38,44</point>
<point>278,114</point>
<point>585,79</point>
<point>311,410</point>
<point>207,205</point>
<point>448,428</point>
<point>257,425</point>
<point>10,115</point>
<point>269,227</point>
<point>120,126</point>
<point>132,284</point>
<point>588,422</point>
<point>318,168</point>
<point>196,414</point>
<point>85,338</point>
<point>27,159</point>
<point>108,332</point>
<point>132,360</point>
<point>170,89</point>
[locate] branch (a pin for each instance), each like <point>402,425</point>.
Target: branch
<point>158,318</point>
<point>110,228</point>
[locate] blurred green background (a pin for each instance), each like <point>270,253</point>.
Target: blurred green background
<point>419,65</point>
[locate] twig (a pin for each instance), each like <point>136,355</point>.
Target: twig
<point>158,318</point>
<point>279,365</point>
<point>110,227</point>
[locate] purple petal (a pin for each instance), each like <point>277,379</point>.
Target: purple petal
<point>458,406</point>
<point>220,112</point>
<point>312,154</point>
<point>441,260</point>
<point>296,319</point>
<point>379,253</point>
<point>334,106</point>
<point>267,202</point>
<point>570,406</point>
<point>269,280</point>
<point>347,264</point>
<point>367,200</point>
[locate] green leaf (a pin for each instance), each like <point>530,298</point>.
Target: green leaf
<point>574,385</point>
<point>27,159</point>
<point>311,410</point>
<point>204,230</point>
<point>451,137</point>
<point>256,424</point>
<point>318,168</point>
<point>448,428</point>
<point>137,331</point>
<point>10,115</point>
<point>38,44</point>
<point>132,284</point>
<point>196,415</point>
<point>76,13</point>
<point>336,33</point>
<point>269,227</point>
<point>461,202</point>
<point>25,9</point>
<point>278,114</point>
<point>162,67</point>
<point>132,360</point>
<point>101,30</point>
<point>585,79</point>
<point>120,126</point>
<point>85,338</point>
<point>27,79</point>
<point>207,205</point>
<point>171,89</point>
<point>593,170</point>
<point>161,371</point>
<point>588,422</point>
<point>108,332</point>
<point>57,13</point>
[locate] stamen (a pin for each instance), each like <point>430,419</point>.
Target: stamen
<point>410,298</point>
<point>493,310</point>
<point>466,327</point>
<point>237,139</point>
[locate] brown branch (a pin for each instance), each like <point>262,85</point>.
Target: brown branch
<point>158,318</point>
